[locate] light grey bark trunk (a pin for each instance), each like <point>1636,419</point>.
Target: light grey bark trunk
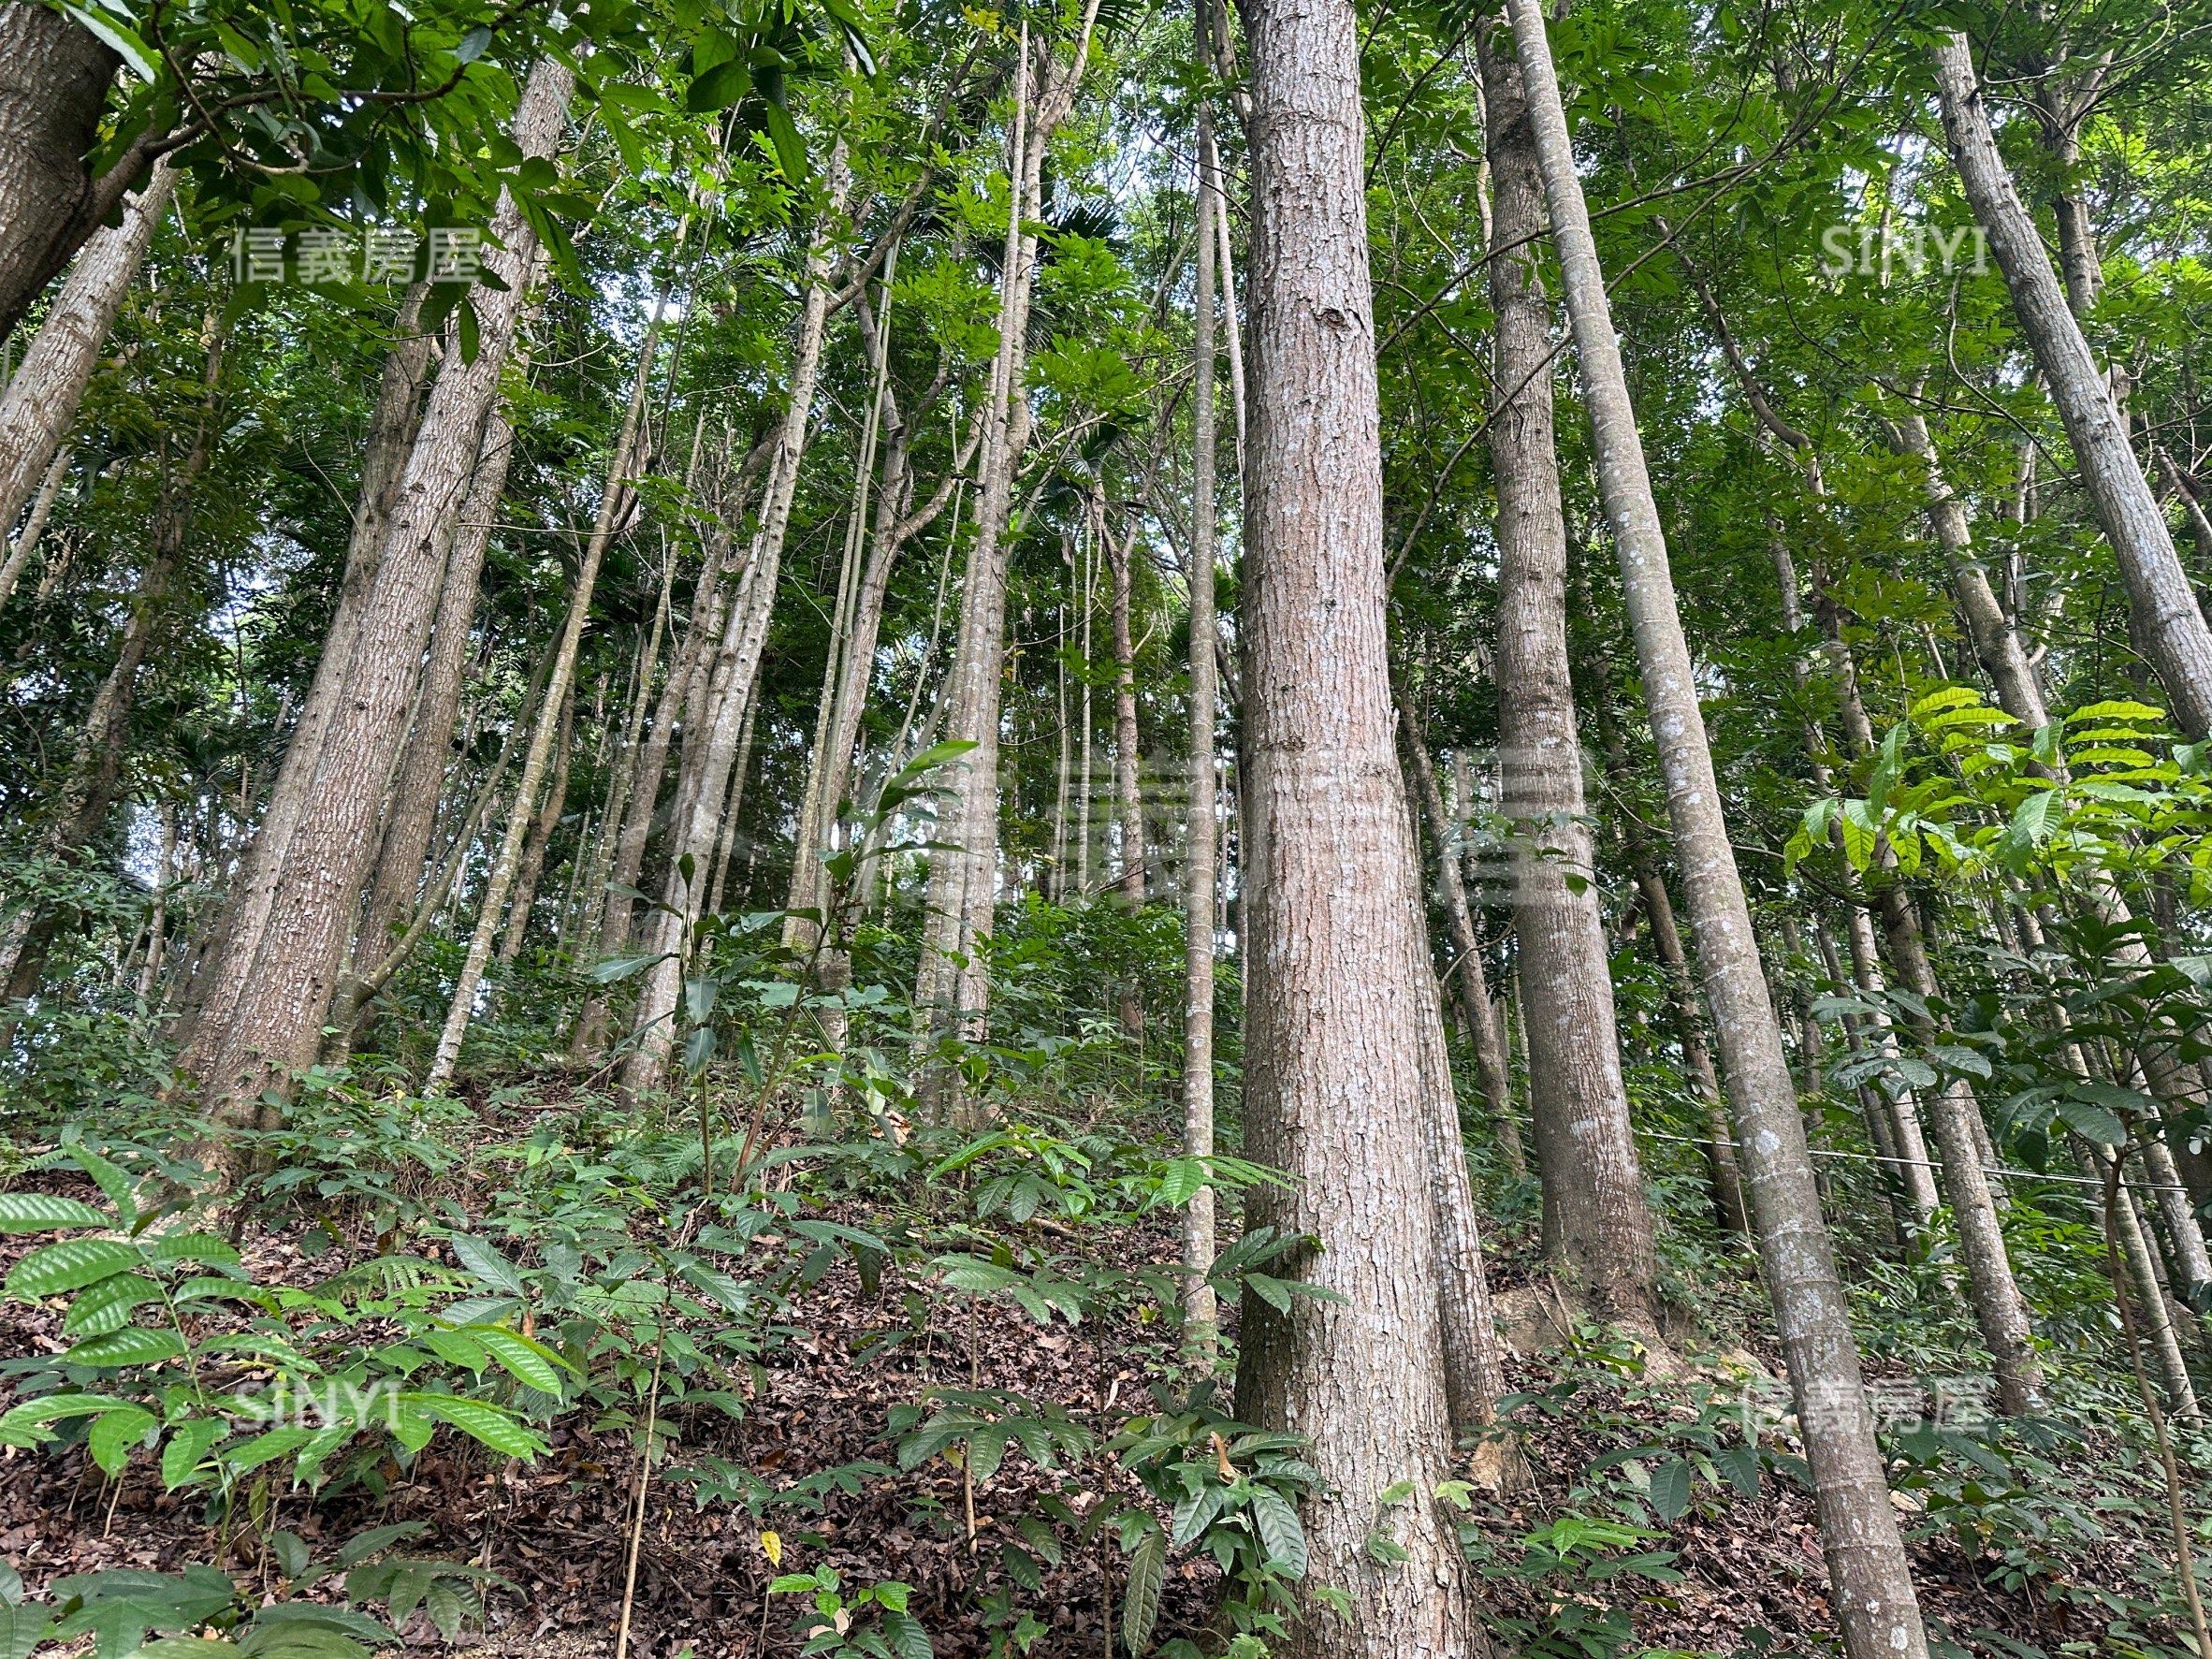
<point>1876,1607</point>
<point>1597,1226</point>
<point>1200,872</point>
<point>1128,802</point>
<point>1997,647</point>
<point>1339,1019</point>
<point>2164,605</point>
<point>615,502</point>
<point>287,980</point>
<point>1719,1151</point>
<point>724,684</point>
<point>536,849</point>
<point>952,988</point>
<point>41,400</point>
<point>79,804</point>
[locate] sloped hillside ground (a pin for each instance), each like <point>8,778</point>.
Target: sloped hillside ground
<point>1658,1517</point>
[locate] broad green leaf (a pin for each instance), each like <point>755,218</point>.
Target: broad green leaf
<point>52,1269</point>
<point>40,1212</point>
<point>1139,1607</point>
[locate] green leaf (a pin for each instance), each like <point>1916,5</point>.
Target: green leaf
<point>486,1263</point>
<point>52,1269</point>
<point>495,1428</point>
<point>106,1305</point>
<point>267,1448</point>
<point>40,1212</point>
<point>115,1433</point>
<point>1671,1488</point>
<point>189,1443</point>
<point>718,88</point>
<point>2092,1123</point>
<point>909,1640</point>
<point>1739,1466</point>
<point>526,1360</point>
<point>1279,1530</point>
<point>133,1345</point>
<point>22,1629</point>
<point>1139,1607</point>
<point>26,1424</point>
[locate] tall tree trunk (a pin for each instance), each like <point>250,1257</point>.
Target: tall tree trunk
<point>1129,800</point>
<point>1597,1226</point>
<point>1201,870</point>
<point>1876,1606</point>
<point>1467,971</point>
<point>41,400</point>
<point>52,93</point>
<point>952,988</point>
<point>615,502</point>
<point>1338,1029</point>
<point>288,979</point>
<point>727,680</point>
<point>2165,605</point>
<point>415,790</point>
<point>221,973</point>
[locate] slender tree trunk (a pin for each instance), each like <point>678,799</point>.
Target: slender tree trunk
<point>1129,800</point>
<point>288,979</point>
<point>615,502</point>
<point>52,97</point>
<point>1597,1226</point>
<point>41,403</point>
<point>1467,971</point>
<point>2165,605</point>
<point>1199,870</point>
<point>534,849</point>
<point>25,544</point>
<point>952,991</point>
<point>157,919</point>
<point>1339,1025</point>
<point>728,679</point>
<point>1875,1602</point>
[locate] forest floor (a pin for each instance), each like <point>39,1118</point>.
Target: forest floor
<point>1738,1572</point>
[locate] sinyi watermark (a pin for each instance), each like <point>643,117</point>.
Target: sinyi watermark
<point>1883,250</point>
<point>380,255</point>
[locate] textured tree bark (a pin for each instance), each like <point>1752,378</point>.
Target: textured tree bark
<point>1596,1227</point>
<point>41,400</point>
<point>54,75</point>
<point>1727,1184</point>
<point>1467,971</point>
<point>1876,1607</point>
<point>1338,1027</point>
<point>414,811</point>
<point>2164,605</point>
<point>221,973</point>
<point>615,501</point>
<point>288,979</point>
<point>1199,869</point>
